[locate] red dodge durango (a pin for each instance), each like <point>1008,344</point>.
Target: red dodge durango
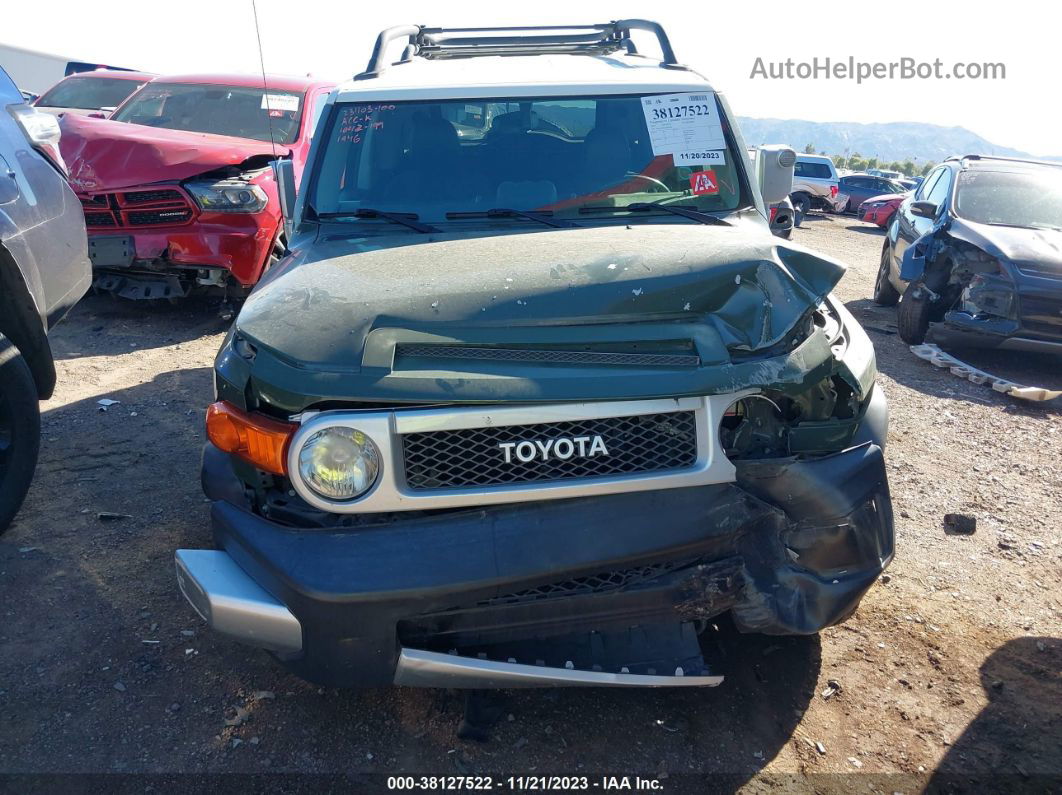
<point>177,187</point>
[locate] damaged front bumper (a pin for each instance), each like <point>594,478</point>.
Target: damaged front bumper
<point>210,250</point>
<point>1020,311</point>
<point>603,590</point>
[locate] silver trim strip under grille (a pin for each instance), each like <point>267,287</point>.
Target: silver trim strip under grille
<point>232,603</point>
<point>390,492</point>
<point>418,668</point>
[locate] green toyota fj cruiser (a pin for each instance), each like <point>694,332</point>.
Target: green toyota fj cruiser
<point>535,394</point>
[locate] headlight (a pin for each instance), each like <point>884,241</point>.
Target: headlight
<point>228,196</point>
<point>42,130</point>
<point>339,463</point>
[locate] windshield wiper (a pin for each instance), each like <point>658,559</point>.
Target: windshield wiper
<point>542,216</point>
<point>405,219</point>
<point>675,209</point>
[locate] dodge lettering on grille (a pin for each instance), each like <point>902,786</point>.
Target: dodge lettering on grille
<point>563,448</point>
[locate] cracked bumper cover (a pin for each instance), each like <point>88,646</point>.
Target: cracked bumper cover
<point>1020,313</point>
<point>789,548</point>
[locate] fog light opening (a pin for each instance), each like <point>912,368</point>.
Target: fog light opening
<point>754,427</point>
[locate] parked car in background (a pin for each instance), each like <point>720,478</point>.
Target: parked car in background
<point>879,209</point>
<point>532,404</point>
<point>44,270</point>
<point>884,173</point>
<point>177,187</point>
<point>977,251</point>
<point>910,183</point>
<point>860,187</point>
<point>815,186</point>
<point>98,92</point>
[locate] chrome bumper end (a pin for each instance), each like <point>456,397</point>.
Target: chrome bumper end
<point>233,604</point>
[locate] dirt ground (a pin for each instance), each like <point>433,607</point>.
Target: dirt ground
<point>951,668</point>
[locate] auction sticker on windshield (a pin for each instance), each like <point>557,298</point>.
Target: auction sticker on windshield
<point>683,123</point>
<point>288,102</point>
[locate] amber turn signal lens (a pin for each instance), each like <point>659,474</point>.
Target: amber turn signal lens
<point>255,438</point>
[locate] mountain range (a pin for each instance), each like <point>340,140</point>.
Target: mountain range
<point>888,142</point>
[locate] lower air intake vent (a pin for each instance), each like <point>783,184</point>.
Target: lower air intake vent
<point>550,356</point>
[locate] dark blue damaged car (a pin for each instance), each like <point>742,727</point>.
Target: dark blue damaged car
<point>974,256</point>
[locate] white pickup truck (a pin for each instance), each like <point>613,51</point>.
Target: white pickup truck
<point>815,186</point>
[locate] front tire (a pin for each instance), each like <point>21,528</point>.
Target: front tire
<point>801,207</point>
<point>20,430</point>
<point>884,293</point>
<point>912,318</point>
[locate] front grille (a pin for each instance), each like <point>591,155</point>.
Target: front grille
<point>590,584</point>
<point>152,196</point>
<point>470,458</point>
<point>157,217</point>
<point>550,356</point>
<point>138,208</point>
<point>1041,315</point>
<point>99,219</point>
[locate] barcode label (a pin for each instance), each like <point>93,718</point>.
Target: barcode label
<point>683,123</point>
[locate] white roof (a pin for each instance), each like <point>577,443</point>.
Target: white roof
<point>522,75</point>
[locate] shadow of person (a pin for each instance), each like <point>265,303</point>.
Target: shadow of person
<point>730,732</point>
<point>1015,742</point>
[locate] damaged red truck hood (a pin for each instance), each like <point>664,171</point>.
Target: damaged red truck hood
<point>106,155</point>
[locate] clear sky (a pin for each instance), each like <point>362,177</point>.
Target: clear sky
<point>721,40</point>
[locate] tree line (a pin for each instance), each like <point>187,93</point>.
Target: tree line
<point>857,162</point>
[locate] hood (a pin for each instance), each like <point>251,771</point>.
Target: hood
<point>887,197</point>
<point>740,289</point>
<point>106,155</point>
<point>1022,246</point>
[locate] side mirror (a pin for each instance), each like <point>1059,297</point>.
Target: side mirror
<point>924,210</point>
<point>774,172</point>
<point>9,190</point>
<point>284,173</point>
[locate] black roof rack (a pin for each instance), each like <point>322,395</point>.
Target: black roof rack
<point>432,43</point>
<point>1029,160</point>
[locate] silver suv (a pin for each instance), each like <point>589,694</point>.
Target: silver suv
<point>815,186</point>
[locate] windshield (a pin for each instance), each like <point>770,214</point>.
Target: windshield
<point>1030,198</point>
<point>91,93</point>
<point>561,156</point>
<point>236,111</point>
